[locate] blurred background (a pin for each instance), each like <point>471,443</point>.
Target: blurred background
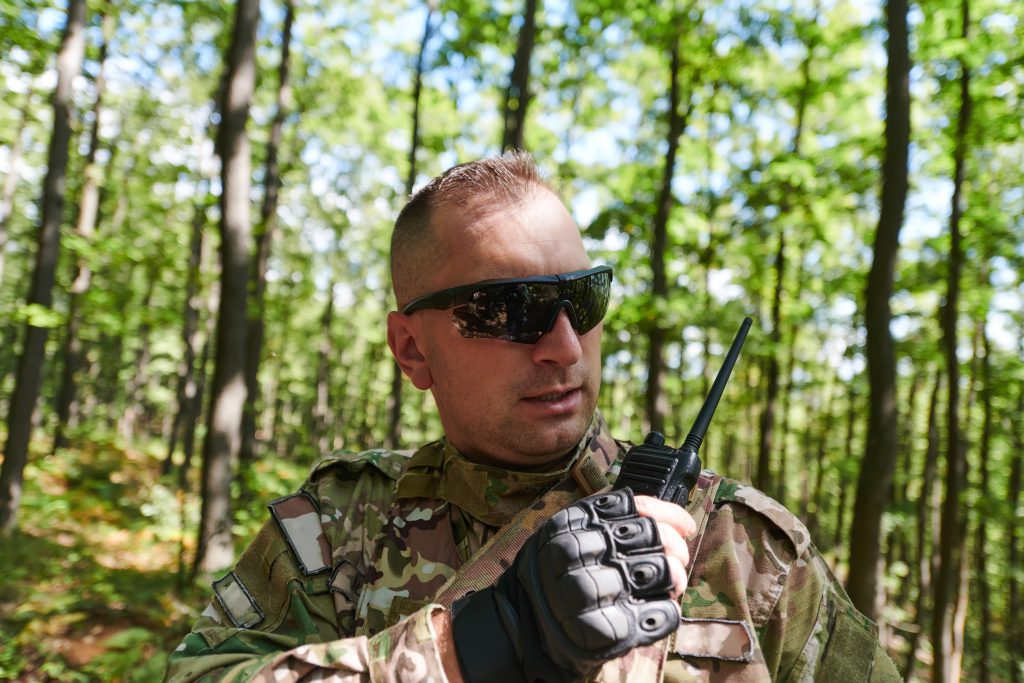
<point>195,214</point>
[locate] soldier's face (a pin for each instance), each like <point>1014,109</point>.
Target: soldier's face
<point>501,402</point>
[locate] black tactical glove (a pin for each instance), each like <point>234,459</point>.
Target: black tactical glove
<point>588,586</point>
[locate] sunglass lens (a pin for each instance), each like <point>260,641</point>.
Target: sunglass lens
<point>522,312</point>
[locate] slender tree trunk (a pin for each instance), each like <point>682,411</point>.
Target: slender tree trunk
<point>394,435</point>
<point>187,387</point>
<point>223,433</point>
<point>951,542</point>
<point>772,371</point>
<point>85,227</point>
<point>11,179</point>
<point>814,523</point>
<point>927,532</point>
<point>264,241</point>
<point>981,540</point>
<point>517,95</point>
<point>879,460</point>
<point>655,401</point>
<point>134,392</point>
<point>322,409</point>
<point>195,405</point>
<point>30,363</point>
<point>851,424</point>
<point>1015,625</point>
<point>898,537</point>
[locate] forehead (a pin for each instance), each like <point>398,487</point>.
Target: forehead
<point>535,236</point>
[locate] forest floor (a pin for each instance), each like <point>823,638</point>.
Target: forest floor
<point>91,585</point>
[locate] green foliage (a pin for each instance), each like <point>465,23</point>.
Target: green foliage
<point>783,139</point>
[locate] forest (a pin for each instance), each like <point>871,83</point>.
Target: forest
<point>195,214</point>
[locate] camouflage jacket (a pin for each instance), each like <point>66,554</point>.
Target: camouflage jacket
<point>341,582</point>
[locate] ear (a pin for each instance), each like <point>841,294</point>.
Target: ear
<point>405,339</point>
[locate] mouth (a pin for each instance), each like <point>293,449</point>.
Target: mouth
<point>556,401</point>
<point>552,394</point>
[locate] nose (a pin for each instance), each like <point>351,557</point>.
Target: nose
<point>559,345</point>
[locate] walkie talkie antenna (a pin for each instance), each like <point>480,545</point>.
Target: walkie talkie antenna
<point>707,411</point>
<point>654,469</point>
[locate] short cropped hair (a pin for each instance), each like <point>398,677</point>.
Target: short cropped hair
<point>498,181</point>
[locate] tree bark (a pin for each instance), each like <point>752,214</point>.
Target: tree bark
<point>187,387</point>
<point>11,179</point>
<point>927,530</point>
<point>223,435</point>
<point>878,463</point>
<point>980,545</point>
<point>655,400</point>
<point>851,424</point>
<point>322,408</point>
<point>30,363</point>
<point>394,435</point>
<point>264,241</point>
<point>517,95</point>
<point>945,651</point>
<point>134,392</point>
<point>85,227</point>
<point>1014,625</point>
<point>767,423</point>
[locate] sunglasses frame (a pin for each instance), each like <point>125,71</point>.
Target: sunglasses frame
<point>456,296</point>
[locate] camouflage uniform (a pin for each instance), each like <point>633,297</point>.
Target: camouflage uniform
<point>342,582</point>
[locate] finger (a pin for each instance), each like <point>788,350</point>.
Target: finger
<point>667,513</point>
<point>674,544</point>
<point>679,576</point>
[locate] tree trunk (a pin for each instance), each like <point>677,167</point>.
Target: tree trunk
<point>879,460</point>
<point>11,179</point>
<point>85,227</point>
<point>980,545</point>
<point>517,96</point>
<point>815,520</point>
<point>655,401</point>
<point>187,387</point>
<point>30,363</point>
<point>223,433</point>
<point>322,408</point>
<point>134,392</point>
<point>264,241</point>
<point>1014,625</point>
<point>951,542</point>
<point>195,405</point>
<point>772,371</point>
<point>394,435</point>
<point>851,424</point>
<point>898,537</point>
<point>926,530</point>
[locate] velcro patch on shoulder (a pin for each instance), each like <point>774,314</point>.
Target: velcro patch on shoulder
<point>298,517</point>
<point>236,600</point>
<point>723,639</point>
<point>761,502</point>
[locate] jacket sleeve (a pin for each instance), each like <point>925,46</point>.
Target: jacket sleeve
<point>287,609</point>
<point>764,605</point>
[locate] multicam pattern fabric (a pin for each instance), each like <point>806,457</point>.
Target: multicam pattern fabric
<point>398,528</point>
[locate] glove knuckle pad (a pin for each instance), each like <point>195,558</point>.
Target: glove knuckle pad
<point>648,576</point>
<point>635,535</point>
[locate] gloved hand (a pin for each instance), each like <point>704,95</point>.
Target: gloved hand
<point>588,586</point>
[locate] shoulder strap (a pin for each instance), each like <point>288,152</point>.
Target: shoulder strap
<point>497,554</point>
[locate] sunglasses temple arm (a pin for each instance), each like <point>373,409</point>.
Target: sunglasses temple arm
<point>654,469</point>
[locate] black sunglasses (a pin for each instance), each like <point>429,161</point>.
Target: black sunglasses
<point>522,309</point>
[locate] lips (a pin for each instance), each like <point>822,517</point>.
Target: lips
<point>552,395</point>
<point>555,402</point>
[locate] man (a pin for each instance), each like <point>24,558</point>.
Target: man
<point>497,553</point>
